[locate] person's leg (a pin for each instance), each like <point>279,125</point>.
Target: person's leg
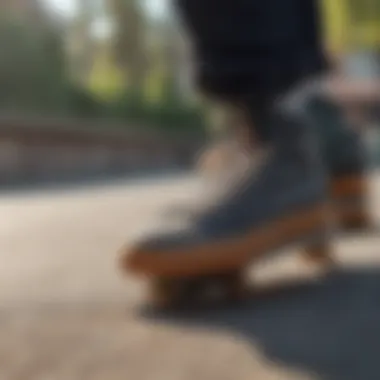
<point>284,201</point>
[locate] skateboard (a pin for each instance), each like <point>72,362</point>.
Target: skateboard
<point>217,289</point>
<point>183,287</point>
<point>233,285</point>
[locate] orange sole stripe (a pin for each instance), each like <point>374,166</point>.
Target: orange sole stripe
<point>350,195</point>
<point>349,186</point>
<point>229,254</point>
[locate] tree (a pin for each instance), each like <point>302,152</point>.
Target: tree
<point>81,41</point>
<point>32,70</point>
<point>364,18</point>
<point>129,41</point>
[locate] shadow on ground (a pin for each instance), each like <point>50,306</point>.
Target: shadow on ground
<point>330,327</point>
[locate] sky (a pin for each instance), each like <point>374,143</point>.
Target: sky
<point>68,7</point>
<point>101,28</point>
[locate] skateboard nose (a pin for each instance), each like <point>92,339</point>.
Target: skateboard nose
<point>130,260</point>
<point>157,253</point>
<point>139,256</point>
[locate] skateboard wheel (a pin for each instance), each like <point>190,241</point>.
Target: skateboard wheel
<point>166,293</point>
<point>163,293</point>
<point>235,287</point>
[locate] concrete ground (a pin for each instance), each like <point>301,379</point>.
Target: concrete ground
<point>67,313</point>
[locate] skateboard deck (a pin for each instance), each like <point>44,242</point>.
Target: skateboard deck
<point>218,288</point>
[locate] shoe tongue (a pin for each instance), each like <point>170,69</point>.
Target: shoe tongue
<point>234,174</point>
<point>225,182</point>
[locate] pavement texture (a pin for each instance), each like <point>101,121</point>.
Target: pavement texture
<point>67,313</point>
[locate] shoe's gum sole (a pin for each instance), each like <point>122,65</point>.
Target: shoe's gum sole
<point>228,255</point>
<point>350,195</point>
<point>350,185</point>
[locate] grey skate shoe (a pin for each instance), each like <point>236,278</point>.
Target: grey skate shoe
<point>283,203</point>
<point>344,153</point>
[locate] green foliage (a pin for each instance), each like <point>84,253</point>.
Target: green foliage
<point>32,74</point>
<point>168,112</point>
<point>172,110</point>
<point>364,11</point>
<point>34,79</point>
<point>82,103</point>
<point>105,80</point>
<point>352,23</point>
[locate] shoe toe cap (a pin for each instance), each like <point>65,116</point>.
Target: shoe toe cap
<point>150,251</point>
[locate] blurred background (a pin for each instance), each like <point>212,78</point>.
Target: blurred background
<point>111,59</point>
<point>106,84</point>
<point>98,90</point>
<point>91,88</point>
